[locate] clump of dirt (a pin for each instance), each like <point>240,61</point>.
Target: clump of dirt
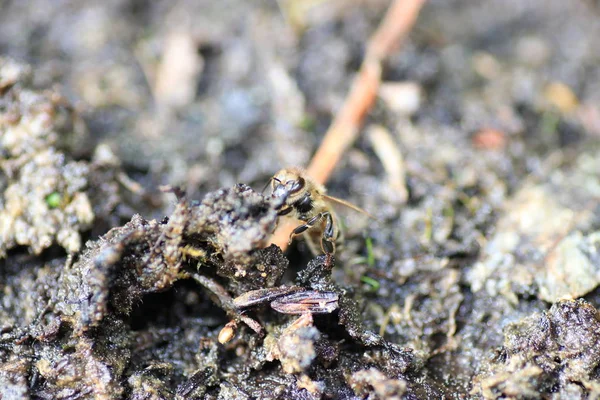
<point>372,382</point>
<point>235,221</point>
<point>554,221</point>
<point>47,195</point>
<point>87,301</point>
<point>551,353</point>
<point>79,314</point>
<point>44,199</point>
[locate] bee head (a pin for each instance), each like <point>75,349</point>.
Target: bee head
<point>287,185</point>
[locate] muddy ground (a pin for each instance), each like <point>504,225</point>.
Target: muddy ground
<point>126,125</point>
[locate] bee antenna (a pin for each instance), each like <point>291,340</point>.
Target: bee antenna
<point>266,186</point>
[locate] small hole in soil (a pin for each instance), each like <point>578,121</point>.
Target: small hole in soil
<point>183,301</point>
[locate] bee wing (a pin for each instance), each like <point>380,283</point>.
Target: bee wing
<point>310,301</point>
<point>347,204</point>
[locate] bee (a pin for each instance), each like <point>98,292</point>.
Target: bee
<point>298,196</point>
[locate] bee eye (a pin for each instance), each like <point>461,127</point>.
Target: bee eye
<point>295,186</point>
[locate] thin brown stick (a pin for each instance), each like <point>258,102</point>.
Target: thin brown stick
<point>342,133</point>
<point>396,24</point>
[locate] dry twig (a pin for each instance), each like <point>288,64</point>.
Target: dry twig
<point>388,152</point>
<point>342,133</point>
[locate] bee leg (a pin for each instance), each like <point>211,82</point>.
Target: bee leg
<point>284,211</point>
<point>328,240</point>
<point>309,224</point>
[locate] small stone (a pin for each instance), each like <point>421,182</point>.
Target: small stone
<point>485,65</point>
<point>561,96</point>
<point>402,97</point>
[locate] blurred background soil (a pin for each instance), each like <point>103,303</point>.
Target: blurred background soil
<point>480,161</point>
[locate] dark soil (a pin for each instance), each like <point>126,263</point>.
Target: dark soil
<point>135,139</point>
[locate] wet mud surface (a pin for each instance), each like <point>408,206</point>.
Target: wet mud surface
<point>135,252</point>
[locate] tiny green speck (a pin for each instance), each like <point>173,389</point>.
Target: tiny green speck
<point>371,282</point>
<point>53,200</point>
<point>448,212</point>
<point>307,123</point>
<point>370,254</point>
<point>550,121</point>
